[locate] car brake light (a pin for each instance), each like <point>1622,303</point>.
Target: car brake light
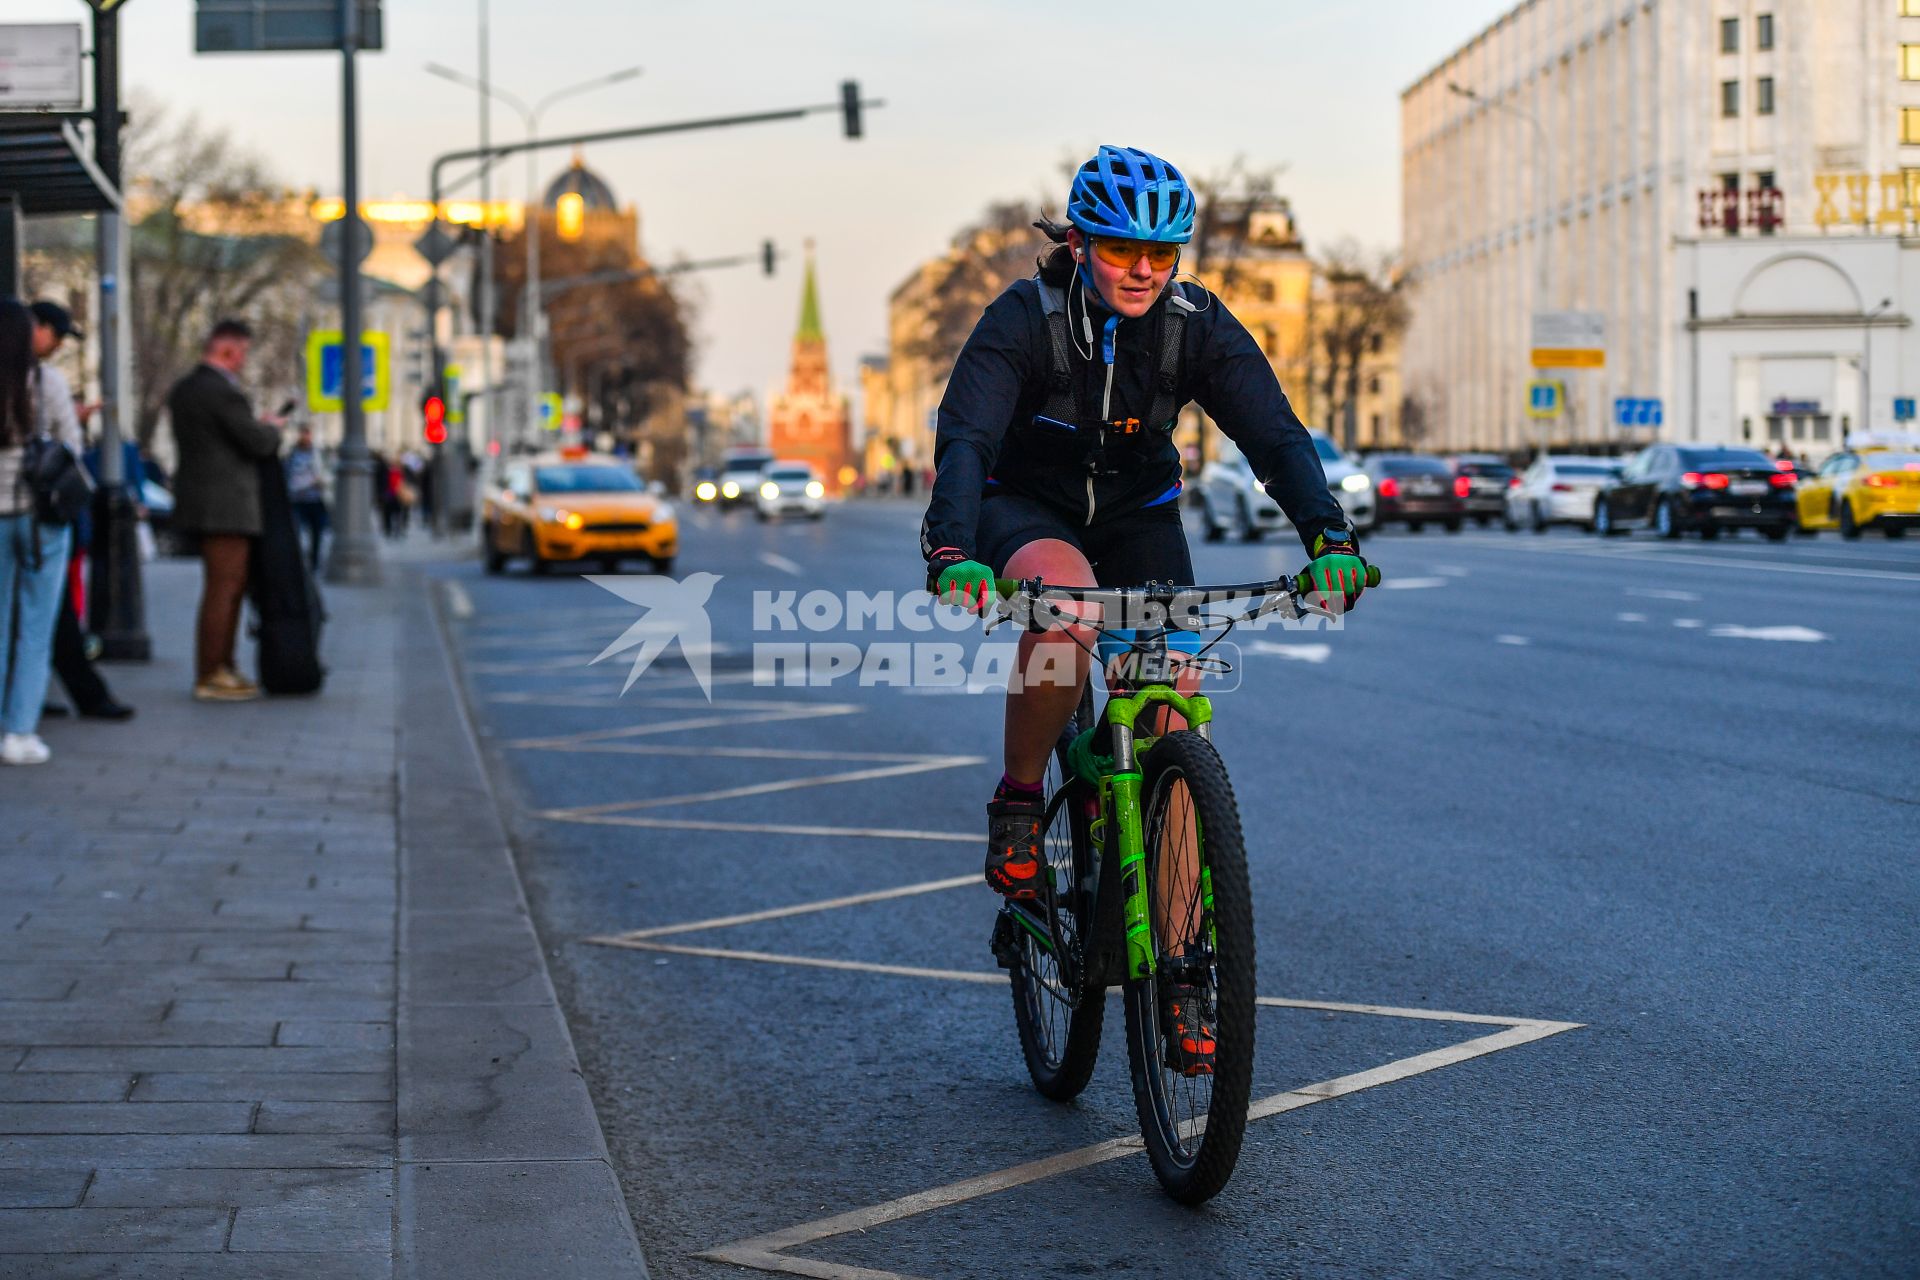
<point>1513,482</point>
<point>1691,479</point>
<point>1715,480</point>
<point>1563,488</point>
<point>1462,486</point>
<point>1783,480</point>
<point>1882,482</point>
<point>1389,488</point>
<point>1783,464</point>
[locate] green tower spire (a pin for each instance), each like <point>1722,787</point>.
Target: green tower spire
<point>810,330</point>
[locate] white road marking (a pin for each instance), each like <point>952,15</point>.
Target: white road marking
<point>781,563</point>
<point>1450,571</point>
<point>1412,584</point>
<point>1518,641</point>
<point>926,765</point>
<point>458,601</point>
<point>798,909</point>
<point>1297,652</point>
<point>1630,617</point>
<point>1796,634</point>
<point>1688,624</point>
<point>1649,555</point>
<point>579,741</point>
<point>760,828</point>
<point>1657,593</point>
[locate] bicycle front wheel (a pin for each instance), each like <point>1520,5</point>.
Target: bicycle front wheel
<point>1201,920</point>
<point>1058,1016</point>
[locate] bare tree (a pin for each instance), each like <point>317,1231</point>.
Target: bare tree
<point>1223,224</point>
<point>987,255</point>
<point>1358,307</point>
<point>214,236</point>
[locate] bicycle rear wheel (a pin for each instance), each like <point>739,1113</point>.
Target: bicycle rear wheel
<point>1193,1125</point>
<point>1058,1017</point>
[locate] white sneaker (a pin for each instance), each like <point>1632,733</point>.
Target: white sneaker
<point>24,748</point>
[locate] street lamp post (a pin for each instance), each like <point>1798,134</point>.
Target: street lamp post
<point>533,317</point>
<point>1543,190</point>
<point>354,558</point>
<point>1866,366</point>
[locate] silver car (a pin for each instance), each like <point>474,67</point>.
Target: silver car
<point>1232,501</point>
<point>1559,489</point>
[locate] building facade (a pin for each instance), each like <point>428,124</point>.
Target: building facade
<point>1730,184</point>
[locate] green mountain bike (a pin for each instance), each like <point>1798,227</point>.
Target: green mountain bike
<point>1146,885</point>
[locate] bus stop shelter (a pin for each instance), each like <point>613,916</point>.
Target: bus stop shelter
<point>46,169</point>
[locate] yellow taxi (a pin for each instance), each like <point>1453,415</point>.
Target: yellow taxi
<point>575,505</point>
<point>1860,488</point>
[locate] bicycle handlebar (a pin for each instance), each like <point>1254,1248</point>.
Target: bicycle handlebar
<point>1167,593</point>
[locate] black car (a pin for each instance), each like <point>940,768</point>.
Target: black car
<point>1488,479</point>
<point>1416,490</point>
<point>1672,488</point>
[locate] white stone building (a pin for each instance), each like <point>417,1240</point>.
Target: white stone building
<point>1733,184</point>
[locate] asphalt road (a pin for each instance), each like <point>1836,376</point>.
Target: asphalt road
<point>1668,792</point>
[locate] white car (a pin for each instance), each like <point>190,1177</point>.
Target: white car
<point>1559,489</point>
<point>790,489</point>
<point>1232,501</point>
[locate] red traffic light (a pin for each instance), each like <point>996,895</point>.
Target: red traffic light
<point>436,414</point>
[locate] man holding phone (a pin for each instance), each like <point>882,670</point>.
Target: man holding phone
<point>217,498</point>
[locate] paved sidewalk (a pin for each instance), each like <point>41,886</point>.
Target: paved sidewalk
<point>270,1001</point>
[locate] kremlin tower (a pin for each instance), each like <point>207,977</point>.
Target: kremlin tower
<point>809,422</point>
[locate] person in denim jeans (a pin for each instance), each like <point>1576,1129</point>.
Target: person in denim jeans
<point>33,558</point>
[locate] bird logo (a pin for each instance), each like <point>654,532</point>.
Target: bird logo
<point>673,611</point>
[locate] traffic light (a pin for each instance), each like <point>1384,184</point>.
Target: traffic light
<point>435,410</point>
<point>850,106</point>
<point>766,256</point>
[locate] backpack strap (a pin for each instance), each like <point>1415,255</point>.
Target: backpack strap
<point>1061,404</point>
<point>1166,387</point>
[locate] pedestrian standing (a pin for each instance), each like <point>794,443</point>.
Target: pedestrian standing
<point>61,414</point>
<point>307,491</point>
<point>217,498</point>
<point>33,557</point>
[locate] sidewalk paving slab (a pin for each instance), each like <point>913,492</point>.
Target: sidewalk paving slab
<point>271,1000</point>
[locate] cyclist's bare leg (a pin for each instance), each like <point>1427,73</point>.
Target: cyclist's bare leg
<point>1176,893</point>
<point>1052,666</point>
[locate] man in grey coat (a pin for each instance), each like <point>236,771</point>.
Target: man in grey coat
<point>216,495</point>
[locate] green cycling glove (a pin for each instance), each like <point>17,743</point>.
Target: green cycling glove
<point>956,579</point>
<point>1338,570</point>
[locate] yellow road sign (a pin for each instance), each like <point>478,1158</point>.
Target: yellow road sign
<point>1569,358</point>
<point>326,370</point>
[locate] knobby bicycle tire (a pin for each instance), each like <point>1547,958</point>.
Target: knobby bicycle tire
<point>1061,1043</point>
<point>1193,1158</point>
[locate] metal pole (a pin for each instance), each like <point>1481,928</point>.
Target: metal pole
<point>354,559</point>
<point>487,398</point>
<point>533,310</point>
<point>116,608</point>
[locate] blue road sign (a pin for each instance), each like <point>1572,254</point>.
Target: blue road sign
<point>1634,411</point>
<point>1903,409</point>
<point>1544,397</point>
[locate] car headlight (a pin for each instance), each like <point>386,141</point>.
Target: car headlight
<point>662,512</point>
<point>705,491</point>
<point>1355,483</point>
<point>729,490</point>
<point>769,490</point>
<point>560,515</point>
<point>815,489</point>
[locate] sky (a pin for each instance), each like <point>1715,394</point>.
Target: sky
<point>985,100</point>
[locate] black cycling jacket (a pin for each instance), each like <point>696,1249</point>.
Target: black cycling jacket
<point>987,437</point>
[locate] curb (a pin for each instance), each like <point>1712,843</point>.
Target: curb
<point>501,1167</point>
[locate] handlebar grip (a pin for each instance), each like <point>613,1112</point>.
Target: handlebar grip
<point>1303,581</point>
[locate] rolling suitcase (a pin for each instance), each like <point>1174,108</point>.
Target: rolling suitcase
<point>286,601</point>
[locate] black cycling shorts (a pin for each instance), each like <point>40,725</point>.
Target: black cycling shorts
<point>1148,545</point>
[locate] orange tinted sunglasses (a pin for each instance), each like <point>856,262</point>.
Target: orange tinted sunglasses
<point>1124,253</point>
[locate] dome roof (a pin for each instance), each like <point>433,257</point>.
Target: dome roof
<point>588,185</point>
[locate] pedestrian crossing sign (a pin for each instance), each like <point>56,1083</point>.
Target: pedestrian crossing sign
<point>326,371</point>
<point>1544,397</point>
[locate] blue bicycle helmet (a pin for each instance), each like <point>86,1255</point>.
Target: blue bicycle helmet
<point>1131,194</point>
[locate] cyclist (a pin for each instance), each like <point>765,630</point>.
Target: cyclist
<point>1055,457</point>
